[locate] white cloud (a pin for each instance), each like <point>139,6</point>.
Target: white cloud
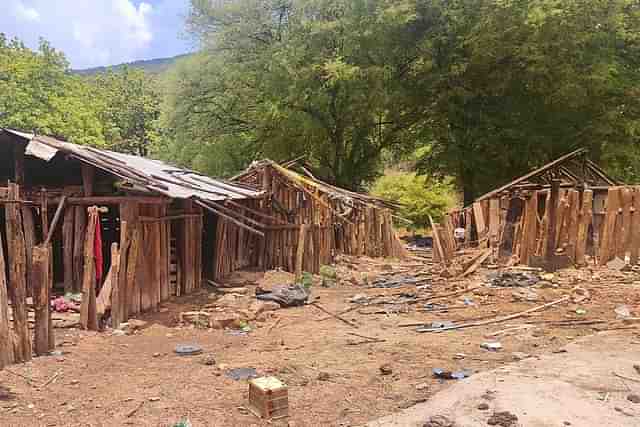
<point>90,32</point>
<point>25,13</point>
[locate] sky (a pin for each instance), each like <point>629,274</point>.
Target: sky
<point>99,32</point>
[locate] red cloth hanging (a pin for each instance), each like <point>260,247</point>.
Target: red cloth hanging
<point>97,250</point>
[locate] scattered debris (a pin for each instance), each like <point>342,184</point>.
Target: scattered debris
<point>581,311</point>
<point>623,312</point>
<point>436,326</point>
<point>342,319</point>
<point>449,375</point>
<point>132,412</point>
<point>286,295</point>
<point>439,421</point>
<point>527,295</point>
<point>513,279</point>
<point>483,406</point>
<point>422,386</point>
<point>633,398</point>
<point>209,360</point>
<point>323,376</point>
<point>239,374</point>
<point>187,350</point>
<point>386,369</point>
<point>491,346</point>
<point>616,264</point>
<point>503,419</point>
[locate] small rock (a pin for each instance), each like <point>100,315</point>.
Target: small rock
<point>527,295</point>
<point>136,324</point>
<point>209,360</point>
<point>358,298</point>
<point>422,387</point>
<point>633,398</point>
<point>74,382</point>
<point>517,355</point>
<point>154,399</point>
<point>567,423</point>
<point>323,376</point>
<point>386,369</point>
<point>240,291</point>
<point>157,354</point>
<point>491,346</point>
<point>503,419</point>
<point>483,406</point>
<point>118,333</point>
<point>459,356</point>
<point>439,421</point>
<point>637,368</point>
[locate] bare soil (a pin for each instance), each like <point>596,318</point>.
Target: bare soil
<point>334,378</point>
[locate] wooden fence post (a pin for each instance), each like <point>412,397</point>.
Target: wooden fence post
<point>42,283</point>
<point>6,350</point>
<point>88,313</point>
<point>17,275</point>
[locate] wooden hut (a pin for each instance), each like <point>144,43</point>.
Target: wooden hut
<point>309,222</point>
<point>560,214</point>
<point>126,231</point>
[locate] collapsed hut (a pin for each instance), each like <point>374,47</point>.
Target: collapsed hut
<point>126,232</point>
<point>567,212</point>
<point>308,222</point>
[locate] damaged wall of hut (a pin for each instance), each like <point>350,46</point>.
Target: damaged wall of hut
<point>51,212</point>
<point>590,226</point>
<point>307,222</point>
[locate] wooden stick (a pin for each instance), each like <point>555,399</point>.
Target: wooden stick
<point>56,218</point>
<point>132,412</point>
<point>477,263</point>
<point>316,305</point>
<point>626,378</point>
<point>366,337</point>
<point>505,318</point>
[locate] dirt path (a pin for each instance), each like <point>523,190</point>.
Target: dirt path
<point>576,388</point>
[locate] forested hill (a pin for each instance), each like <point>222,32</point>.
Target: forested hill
<point>154,66</point>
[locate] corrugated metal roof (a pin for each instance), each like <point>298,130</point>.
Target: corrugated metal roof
<point>139,172</point>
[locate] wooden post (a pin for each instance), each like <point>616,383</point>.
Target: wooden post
<point>119,276</point>
<point>584,221</point>
<point>479,218</point>
<point>29,228</point>
<point>80,225</point>
<point>67,249</point>
<point>17,275</point>
<point>573,223</point>
<point>107,298</point>
<point>494,226</point>
<point>623,239</point>
<point>528,231</point>
<point>44,212</point>
<point>6,350</point>
<point>43,282</point>
<point>553,219</point>
<point>18,162</point>
<point>300,250</point>
<point>132,291</point>
<point>88,313</point>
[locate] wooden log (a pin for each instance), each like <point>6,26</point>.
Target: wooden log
<point>17,276</point>
<point>584,221</point>
<point>88,313</point>
<point>67,249</point>
<point>80,225</point>
<point>302,235</point>
<point>607,239</point>
<point>6,350</point>
<point>635,226</point>
<point>43,282</point>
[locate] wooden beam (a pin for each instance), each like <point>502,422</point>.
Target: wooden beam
<point>116,200</point>
<point>88,313</point>
<point>56,219</point>
<point>17,276</point>
<point>6,350</point>
<point>43,282</point>
<point>553,219</point>
<point>302,235</point>
<point>233,220</point>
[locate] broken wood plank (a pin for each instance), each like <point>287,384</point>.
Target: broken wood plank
<point>478,215</point>
<point>482,257</point>
<point>106,297</point>
<point>335,316</point>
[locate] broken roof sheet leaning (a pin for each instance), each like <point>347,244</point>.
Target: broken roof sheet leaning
<point>140,173</point>
<point>311,181</point>
<point>572,168</point>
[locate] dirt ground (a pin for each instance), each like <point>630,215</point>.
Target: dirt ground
<point>334,378</point>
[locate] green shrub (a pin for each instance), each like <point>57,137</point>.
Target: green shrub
<point>419,195</point>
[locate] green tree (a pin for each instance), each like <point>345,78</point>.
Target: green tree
<point>40,95</point>
<point>419,195</point>
<point>129,102</point>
